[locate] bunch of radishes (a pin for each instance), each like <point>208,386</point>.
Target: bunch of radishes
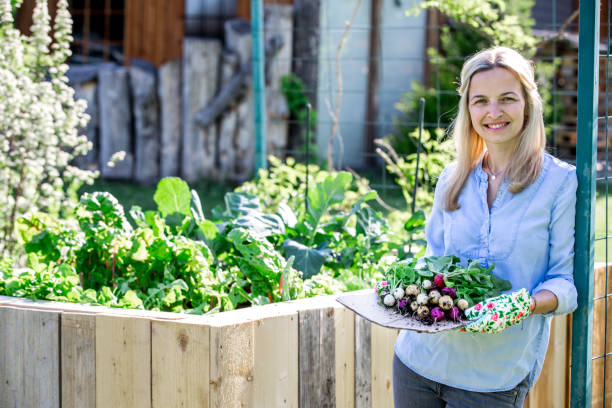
<point>430,301</point>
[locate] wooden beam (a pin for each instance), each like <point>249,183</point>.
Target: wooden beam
<point>373,92</point>
<point>78,354</point>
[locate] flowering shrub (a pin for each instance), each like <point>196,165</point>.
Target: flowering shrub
<point>39,120</point>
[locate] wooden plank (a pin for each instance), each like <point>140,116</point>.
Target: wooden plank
<point>179,364</point>
<point>128,31</point>
<point>344,327</point>
<point>549,391</point>
<point>275,370</point>
<point>231,365</point>
<point>80,308</point>
<point>316,357</point>
<point>176,31</point>
<point>383,341</point>
<point>601,338</point>
<point>78,360</point>
<point>148,43</point>
<point>363,363</point>
<point>123,362</point>
<point>29,358</point>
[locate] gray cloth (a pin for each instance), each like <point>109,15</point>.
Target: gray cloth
<point>411,390</point>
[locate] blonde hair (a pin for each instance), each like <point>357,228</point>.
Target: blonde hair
<point>526,161</point>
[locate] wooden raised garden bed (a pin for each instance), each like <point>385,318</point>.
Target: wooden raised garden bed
<point>304,353</point>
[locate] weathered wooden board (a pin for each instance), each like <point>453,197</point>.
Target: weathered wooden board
<point>365,304</point>
<point>232,361</point>
<point>344,328</point>
<point>275,370</point>
<point>200,66</point>
<point>78,354</point>
<point>548,391</point>
<point>317,360</point>
<point>29,358</point>
<point>383,340</point>
<point>363,363</point>
<point>123,362</point>
<point>145,108</point>
<point>180,355</point>
<point>169,94</point>
<point>115,122</point>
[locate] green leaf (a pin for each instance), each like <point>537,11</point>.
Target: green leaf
<point>262,224</point>
<point>307,260</point>
<point>323,196</point>
<point>173,196</point>
<point>416,222</point>
<point>130,300</point>
<point>286,214</point>
<point>240,203</point>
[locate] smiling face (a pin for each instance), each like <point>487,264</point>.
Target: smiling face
<point>497,107</point>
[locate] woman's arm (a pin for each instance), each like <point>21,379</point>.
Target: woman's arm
<point>544,302</point>
<point>559,280</point>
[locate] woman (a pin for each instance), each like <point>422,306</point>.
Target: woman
<point>504,202</point>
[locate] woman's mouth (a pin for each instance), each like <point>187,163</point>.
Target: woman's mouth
<point>497,125</point>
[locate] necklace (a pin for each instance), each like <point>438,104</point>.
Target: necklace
<point>490,172</point>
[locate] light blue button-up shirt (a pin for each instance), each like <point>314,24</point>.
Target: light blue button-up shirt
<point>529,237</point>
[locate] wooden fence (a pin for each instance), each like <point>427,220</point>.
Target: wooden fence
<point>306,353</point>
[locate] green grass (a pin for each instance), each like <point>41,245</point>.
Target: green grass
<point>600,225</point>
<point>129,194</point>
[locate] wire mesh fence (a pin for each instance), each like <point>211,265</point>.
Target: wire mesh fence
<point>366,68</point>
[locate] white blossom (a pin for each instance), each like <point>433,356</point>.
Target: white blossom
<point>39,120</point>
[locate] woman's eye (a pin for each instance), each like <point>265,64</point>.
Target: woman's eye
<point>480,101</point>
<point>508,99</point>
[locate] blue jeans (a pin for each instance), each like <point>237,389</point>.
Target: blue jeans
<point>410,390</point>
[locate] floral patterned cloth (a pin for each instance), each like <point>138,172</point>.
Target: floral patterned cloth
<point>497,314</point>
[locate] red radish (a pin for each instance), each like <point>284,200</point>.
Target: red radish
<point>439,281</point>
<point>454,314</point>
<point>437,314</point>
<point>452,292</point>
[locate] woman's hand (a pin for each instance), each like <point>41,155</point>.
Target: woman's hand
<point>497,314</point>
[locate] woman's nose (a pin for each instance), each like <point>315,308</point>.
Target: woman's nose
<point>494,111</point>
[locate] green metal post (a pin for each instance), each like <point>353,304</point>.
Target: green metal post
<point>259,83</point>
<point>586,152</point>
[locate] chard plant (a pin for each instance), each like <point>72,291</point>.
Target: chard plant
<point>39,120</point>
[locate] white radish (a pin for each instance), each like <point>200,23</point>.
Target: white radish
<point>463,304</point>
<point>412,290</point>
<point>389,300</point>
<point>446,302</point>
<point>422,299</point>
<point>398,293</point>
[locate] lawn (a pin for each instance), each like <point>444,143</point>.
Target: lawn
<point>129,194</point>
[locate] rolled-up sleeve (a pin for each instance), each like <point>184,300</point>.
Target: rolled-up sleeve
<point>559,278</point>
